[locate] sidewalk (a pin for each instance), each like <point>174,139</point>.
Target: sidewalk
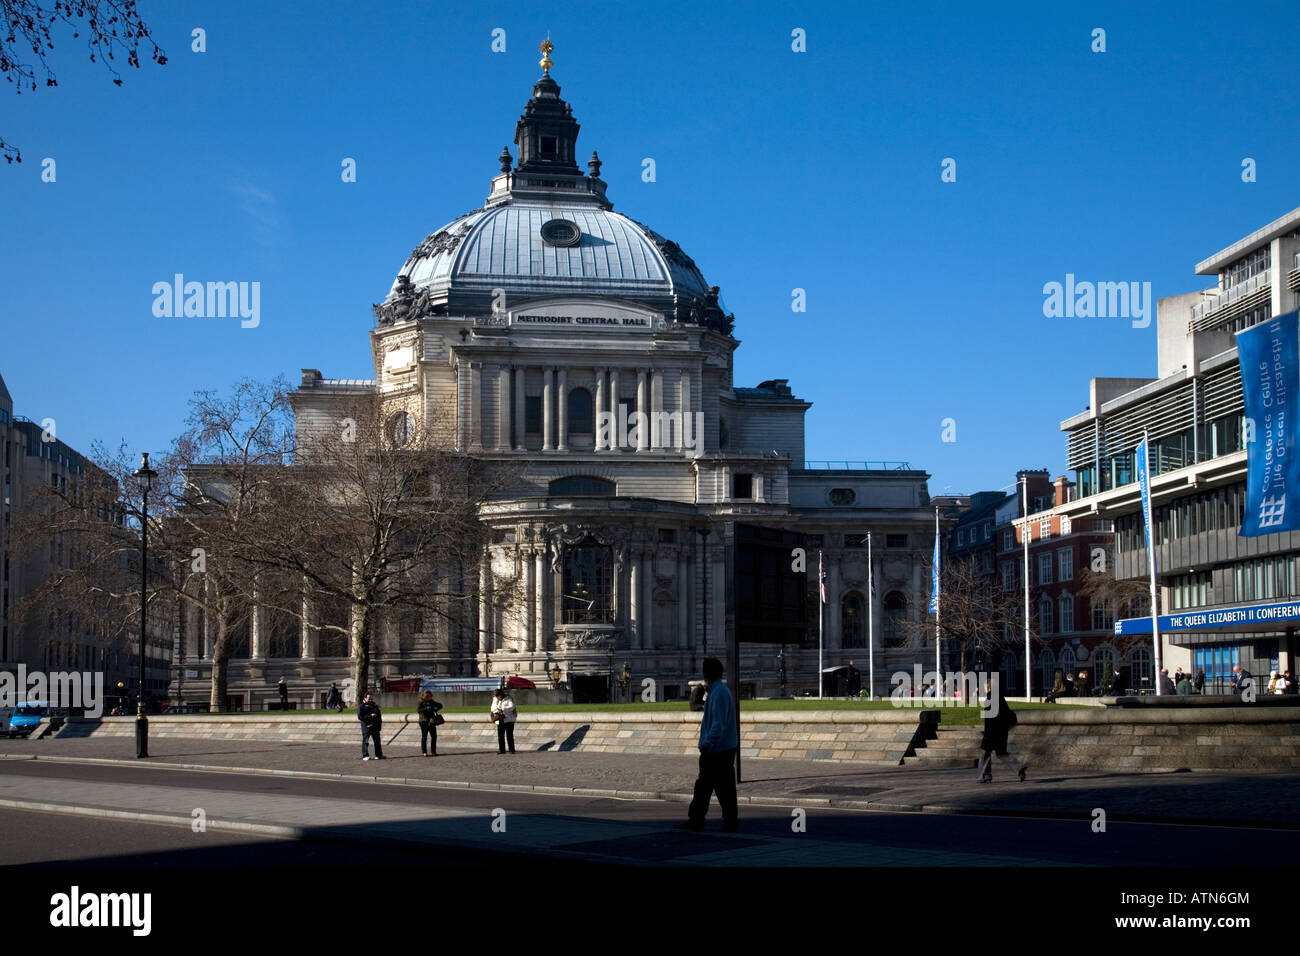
<point>1244,799</point>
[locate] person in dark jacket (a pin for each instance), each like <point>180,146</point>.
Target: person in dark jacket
<point>428,711</point>
<point>998,721</point>
<point>1199,683</point>
<point>1241,679</point>
<point>371,721</point>
<point>283,687</point>
<point>334,699</point>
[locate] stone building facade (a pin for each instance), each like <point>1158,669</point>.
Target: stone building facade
<point>534,332</point>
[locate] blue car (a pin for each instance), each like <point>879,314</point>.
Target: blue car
<point>20,721</point>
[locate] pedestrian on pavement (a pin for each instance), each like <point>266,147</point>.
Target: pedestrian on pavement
<point>1184,686</point>
<point>504,714</point>
<point>719,740</point>
<point>334,700</point>
<point>1118,686</point>
<point>1291,687</point>
<point>429,719</point>
<point>1275,683</point>
<point>283,687</point>
<point>1166,685</point>
<point>1241,679</point>
<point>1199,682</point>
<point>371,721</point>
<point>998,721</point>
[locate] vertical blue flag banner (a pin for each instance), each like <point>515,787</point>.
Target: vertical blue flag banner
<point>1142,465</point>
<point>934,577</point>
<point>1269,356</point>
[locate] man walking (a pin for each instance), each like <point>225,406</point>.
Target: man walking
<point>371,721</point>
<point>719,741</point>
<point>998,721</point>
<point>283,687</point>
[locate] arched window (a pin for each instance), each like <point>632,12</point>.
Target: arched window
<point>1140,661</point>
<point>1047,661</point>
<point>1069,663</point>
<point>1045,616</point>
<point>895,610</point>
<point>581,420</point>
<point>853,624</point>
<point>588,584</point>
<point>1010,673</point>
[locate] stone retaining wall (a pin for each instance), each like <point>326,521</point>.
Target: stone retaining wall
<point>1224,738</point>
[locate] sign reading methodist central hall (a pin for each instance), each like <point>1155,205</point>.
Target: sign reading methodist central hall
<point>575,316</point>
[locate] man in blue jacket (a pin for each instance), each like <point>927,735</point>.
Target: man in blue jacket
<point>718,744</point>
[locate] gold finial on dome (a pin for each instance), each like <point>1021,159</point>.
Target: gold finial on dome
<point>546,47</point>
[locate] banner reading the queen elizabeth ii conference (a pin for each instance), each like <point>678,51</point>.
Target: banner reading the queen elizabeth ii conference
<point>1269,356</point>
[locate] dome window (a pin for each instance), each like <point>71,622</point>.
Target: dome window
<point>561,232</point>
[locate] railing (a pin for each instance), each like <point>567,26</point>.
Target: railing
<point>582,615</point>
<point>849,465</point>
<point>1231,295</point>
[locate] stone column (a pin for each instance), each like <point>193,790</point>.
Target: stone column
<point>634,601</point>
<point>484,603</point>
<point>689,437</point>
<point>613,409</point>
<point>562,395</point>
<point>463,398</point>
<point>209,625</point>
<point>519,409</point>
<point>547,401</point>
<point>642,405</point>
<point>310,635</point>
<point>600,407</point>
<point>476,406</point>
<point>683,600</point>
<point>657,437</point>
<point>528,616</point>
<point>541,633</point>
<point>504,441</point>
<point>718,601</point>
<point>193,639</point>
<point>258,635</point>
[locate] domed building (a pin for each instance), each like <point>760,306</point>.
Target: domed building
<point>655,504</point>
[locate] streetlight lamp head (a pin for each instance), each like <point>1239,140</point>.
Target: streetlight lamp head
<point>144,472</point>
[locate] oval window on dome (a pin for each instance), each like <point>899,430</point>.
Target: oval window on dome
<point>561,232</point>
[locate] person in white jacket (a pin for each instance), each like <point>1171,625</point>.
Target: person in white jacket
<point>503,714</point>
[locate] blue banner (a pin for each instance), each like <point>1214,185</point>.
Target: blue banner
<point>1251,617</point>
<point>1269,356</point>
<point>934,576</point>
<point>1142,465</point>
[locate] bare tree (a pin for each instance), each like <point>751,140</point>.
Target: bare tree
<point>976,613</point>
<point>112,28</point>
<point>375,514</point>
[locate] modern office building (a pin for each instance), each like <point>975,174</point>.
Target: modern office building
<point>1193,413</point>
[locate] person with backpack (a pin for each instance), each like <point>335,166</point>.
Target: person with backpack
<point>429,721</point>
<point>999,718</point>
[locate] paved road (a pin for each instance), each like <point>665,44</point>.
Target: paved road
<point>574,827</point>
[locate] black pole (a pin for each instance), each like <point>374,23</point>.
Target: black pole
<point>141,720</point>
<point>704,543</point>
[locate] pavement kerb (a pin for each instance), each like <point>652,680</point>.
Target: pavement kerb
<point>834,803</point>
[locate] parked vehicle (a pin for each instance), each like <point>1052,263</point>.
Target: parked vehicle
<point>20,721</point>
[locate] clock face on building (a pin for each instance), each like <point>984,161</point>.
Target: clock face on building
<point>561,232</point>
<point>401,429</point>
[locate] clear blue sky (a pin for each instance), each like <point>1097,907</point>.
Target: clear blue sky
<point>776,170</point>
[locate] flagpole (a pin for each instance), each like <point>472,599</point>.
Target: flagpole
<point>1024,500</point>
<point>821,621</point>
<point>1147,516</point>
<point>938,596</point>
<point>871,623</point>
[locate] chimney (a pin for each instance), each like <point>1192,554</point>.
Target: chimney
<point>1062,486</point>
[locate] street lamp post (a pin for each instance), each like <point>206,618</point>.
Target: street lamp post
<point>146,476</point>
